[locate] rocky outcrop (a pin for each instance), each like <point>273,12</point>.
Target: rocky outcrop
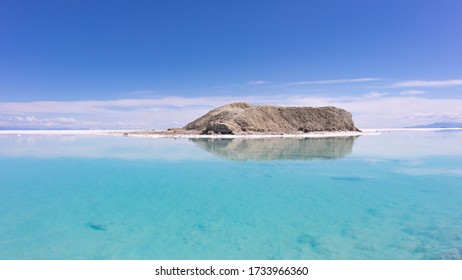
<point>243,118</point>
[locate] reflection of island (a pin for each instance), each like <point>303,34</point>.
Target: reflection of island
<point>278,148</point>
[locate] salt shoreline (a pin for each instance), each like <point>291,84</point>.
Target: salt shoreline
<point>247,136</point>
<point>163,134</point>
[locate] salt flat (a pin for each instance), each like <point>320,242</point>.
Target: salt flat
<point>164,134</point>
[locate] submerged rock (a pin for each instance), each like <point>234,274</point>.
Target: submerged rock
<point>306,239</point>
<point>98,227</point>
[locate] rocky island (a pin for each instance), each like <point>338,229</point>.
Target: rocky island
<point>245,119</point>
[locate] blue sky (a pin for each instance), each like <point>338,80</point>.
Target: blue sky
<point>158,64</point>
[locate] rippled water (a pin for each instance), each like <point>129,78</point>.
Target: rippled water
<point>392,196</point>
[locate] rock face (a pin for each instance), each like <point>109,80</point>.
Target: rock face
<point>243,118</point>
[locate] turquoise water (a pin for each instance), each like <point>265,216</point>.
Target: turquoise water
<point>393,196</point>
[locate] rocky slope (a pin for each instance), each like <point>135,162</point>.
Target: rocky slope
<point>243,118</point>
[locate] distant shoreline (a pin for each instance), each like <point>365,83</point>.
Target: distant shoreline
<point>166,134</point>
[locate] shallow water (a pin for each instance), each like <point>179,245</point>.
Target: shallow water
<point>392,196</point>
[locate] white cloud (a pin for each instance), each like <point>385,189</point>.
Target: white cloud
<point>257,82</point>
<point>423,83</point>
<point>159,113</point>
<point>413,92</point>
<point>439,116</point>
<point>390,112</point>
<point>375,94</point>
<point>418,115</point>
<point>39,122</point>
<point>162,113</point>
<point>65,120</point>
<point>339,81</point>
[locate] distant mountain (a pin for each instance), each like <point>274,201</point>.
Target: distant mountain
<point>439,125</point>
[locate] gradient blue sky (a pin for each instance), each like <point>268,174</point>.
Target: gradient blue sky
<point>158,64</point>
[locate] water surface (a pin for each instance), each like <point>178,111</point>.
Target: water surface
<point>392,196</point>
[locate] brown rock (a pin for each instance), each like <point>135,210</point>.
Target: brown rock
<point>243,118</point>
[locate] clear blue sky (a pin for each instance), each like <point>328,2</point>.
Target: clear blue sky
<point>73,50</point>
